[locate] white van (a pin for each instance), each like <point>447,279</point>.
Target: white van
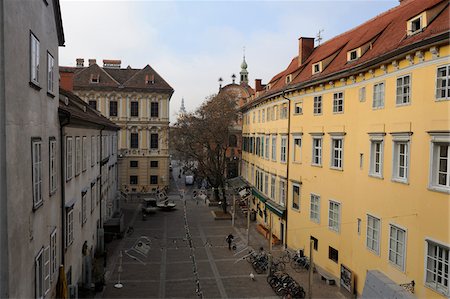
<point>189,180</point>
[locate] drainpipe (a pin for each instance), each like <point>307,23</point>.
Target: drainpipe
<point>288,157</point>
<point>101,178</point>
<point>64,120</point>
<point>4,263</point>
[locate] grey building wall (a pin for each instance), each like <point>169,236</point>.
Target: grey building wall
<point>30,112</point>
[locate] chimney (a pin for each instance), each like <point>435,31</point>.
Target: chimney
<point>80,62</point>
<point>305,48</point>
<point>258,85</point>
<point>92,61</point>
<point>112,64</point>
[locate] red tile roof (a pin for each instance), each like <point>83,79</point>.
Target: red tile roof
<point>390,34</point>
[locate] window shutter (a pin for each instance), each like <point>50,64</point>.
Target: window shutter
<point>46,269</point>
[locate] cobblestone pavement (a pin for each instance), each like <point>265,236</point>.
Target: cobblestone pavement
<point>185,261</point>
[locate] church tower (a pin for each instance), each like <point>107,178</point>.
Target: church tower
<point>244,72</point>
<point>182,109</point>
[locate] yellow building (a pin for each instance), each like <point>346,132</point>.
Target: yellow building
<point>137,100</point>
<point>363,153</point>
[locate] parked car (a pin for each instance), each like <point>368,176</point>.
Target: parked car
<point>189,180</point>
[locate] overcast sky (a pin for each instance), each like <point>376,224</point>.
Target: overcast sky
<point>193,43</point>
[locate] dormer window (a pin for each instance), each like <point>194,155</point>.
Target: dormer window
<point>353,54</point>
<point>95,78</point>
<point>288,79</point>
<point>149,79</point>
<point>417,24</point>
<point>316,68</point>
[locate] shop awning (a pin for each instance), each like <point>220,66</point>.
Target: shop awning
<point>277,209</point>
<point>237,182</point>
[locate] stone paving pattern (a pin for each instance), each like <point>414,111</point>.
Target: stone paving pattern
<point>168,271</point>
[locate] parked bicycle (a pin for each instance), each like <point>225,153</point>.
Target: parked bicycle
<point>278,265</point>
<point>284,285</point>
<point>286,256</point>
<point>259,260</point>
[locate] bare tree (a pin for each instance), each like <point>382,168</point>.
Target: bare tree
<point>202,136</point>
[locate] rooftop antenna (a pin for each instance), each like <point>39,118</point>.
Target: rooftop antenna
<point>319,37</point>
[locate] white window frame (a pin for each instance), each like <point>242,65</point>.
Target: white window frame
<point>373,234</point>
<point>283,150</point>
<point>266,184</point>
<point>443,83</point>
<point>334,224</point>
<point>77,155</point>
<point>441,262</point>
<point>438,141</point>
<point>317,105</point>
<point>314,208</point>
<point>53,253</point>
<point>273,187</point>
<point>298,108</point>
<point>69,157</point>
<point>93,151</point>
<point>69,227</point>
<point>316,157</point>
<point>93,196</point>
<point>401,140</point>
<point>267,137</point>
<point>84,153</point>
<point>282,190</point>
<point>403,90</point>
<point>377,138</point>
<point>378,95</point>
<point>83,207</point>
<point>412,32</point>
<point>297,143</point>
<point>36,155</point>
<point>397,247</point>
<point>52,165</point>
<point>263,115</point>
<point>294,186</point>
<point>39,274</point>
<point>337,153</point>
<point>338,102</point>
<point>362,94</point>
<point>274,147</point>
<point>34,59</point>
<point>50,73</point>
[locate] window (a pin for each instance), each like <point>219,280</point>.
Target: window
<point>317,151</point>
<point>316,68</point>
<point>272,187</point>
<point>154,141</point>
<point>37,171</point>
<point>42,272</point>
<point>358,226</point>
<point>69,158</point>
<point>134,111</point>
<point>284,111</point>
<point>337,150</point>
<point>133,180</point>
<point>83,207</point>
<point>95,78</point>
<point>376,156</point>
<point>440,163</point>
<point>317,105</point>
<point>437,267</point>
<point>282,192</point>
<point>98,149</point>
<point>134,140</point>
<point>112,108</point>
<point>283,149</point>
<point>315,242</point>
<point>34,59</point>
<point>353,55</point>
<point>274,147</point>
<point>52,165</point>
<point>93,196</point>
<point>299,108</point>
<point>403,90</point>
<point>262,146</point>
<point>338,102</point>
<point>84,153</point>
<point>77,155</point>
<point>362,94</point>
<point>259,116</point>
<point>297,149</point>
<point>93,151</point>
<point>443,83</point>
<point>416,25</point>
<point>154,109</point>
<point>50,73</point>
<point>266,184</point>
<point>397,246</point>
<point>296,196</point>
<point>373,234</point>
<point>378,96</point>
<point>93,104</point>
<point>400,165</point>
<point>154,164</point>
<point>53,253</point>
<point>267,147</point>
<point>69,227</point>
<point>314,213</point>
<point>153,180</point>
<point>134,164</point>
<point>334,216</point>
<point>263,115</point>
<point>333,254</point>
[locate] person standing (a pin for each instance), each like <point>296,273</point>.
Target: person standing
<point>229,239</point>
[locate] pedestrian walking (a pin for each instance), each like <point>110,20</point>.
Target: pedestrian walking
<point>229,239</point>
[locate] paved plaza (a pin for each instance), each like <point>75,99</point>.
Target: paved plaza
<point>189,257</point>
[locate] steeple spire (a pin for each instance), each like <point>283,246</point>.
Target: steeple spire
<point>244,72</point>
<point>182,109</point>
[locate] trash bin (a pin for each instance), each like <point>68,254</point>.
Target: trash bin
<point>253,215</point>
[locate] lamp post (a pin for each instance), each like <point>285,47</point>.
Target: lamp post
<point>118,285</point>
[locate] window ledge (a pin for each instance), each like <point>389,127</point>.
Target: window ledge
<point>337,168</point>
<point>338,112</point>
<point>403,104</point>
<point>378,108</point>
<point>50,95</point>
<point>317,114</point>
<point>297,162</point>
<point>376,176</point>
<point>333,230</point>
<point>439,189</point>
<point>397,267</point>
<point>401,181</point>
<point>68,179</point>
<point>442,99</point>
<point>53,192</point>
<point>317,165</point>
<point>38,205</point>
<point>429,286</point>
<point>373,251</point>
<point>295,209</point>
<point>35,85</point>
